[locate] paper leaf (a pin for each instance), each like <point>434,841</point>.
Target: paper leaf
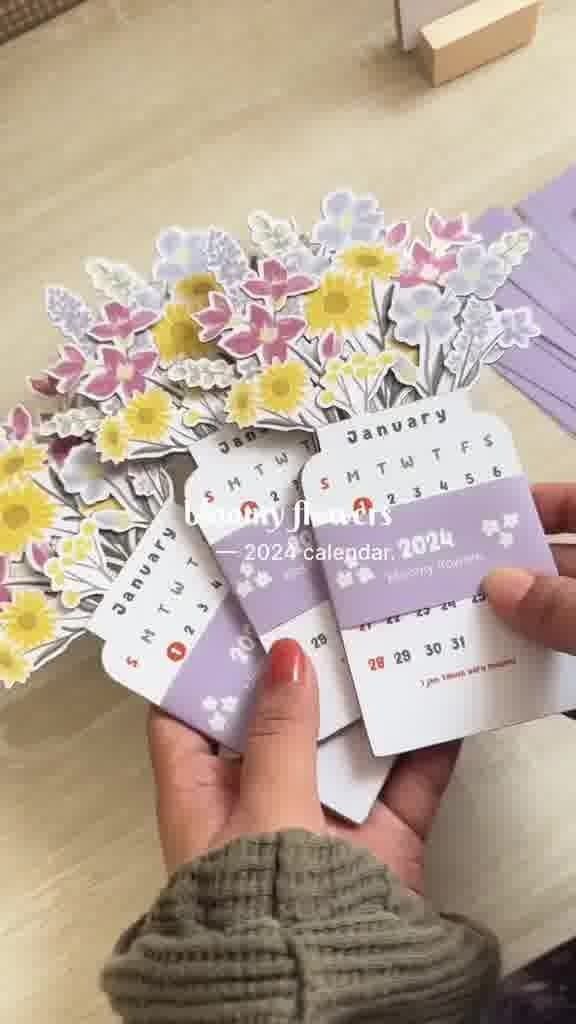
<point>271,236</point>
<point>68,312</point>
<point>512,247</point>
<point>117,281</point>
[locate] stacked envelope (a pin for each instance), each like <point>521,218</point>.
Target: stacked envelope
<point>340,489</point>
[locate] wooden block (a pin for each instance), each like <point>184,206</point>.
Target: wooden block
<point>476,35</point>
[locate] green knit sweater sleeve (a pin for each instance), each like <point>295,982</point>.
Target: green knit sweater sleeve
<point>297,927</point>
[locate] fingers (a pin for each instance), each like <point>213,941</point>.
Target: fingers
<point>556,504</point>
<point>542,608</point>
<point>278,786</point>
<point>417,783</point>
<point>565,558</point>
<point>181,765</point>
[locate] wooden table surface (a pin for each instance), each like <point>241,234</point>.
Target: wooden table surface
<point>124,116</point>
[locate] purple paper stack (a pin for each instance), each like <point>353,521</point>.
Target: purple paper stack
<point>545,371</point>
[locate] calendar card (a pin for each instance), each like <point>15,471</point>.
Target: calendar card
<point>245,497</point>
<point>428,514</point>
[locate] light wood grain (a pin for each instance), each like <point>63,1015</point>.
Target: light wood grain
<point>120,118</point>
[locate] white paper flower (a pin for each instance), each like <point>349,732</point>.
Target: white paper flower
<point>423,311</point>
<point>348,218</point>
<point>82,473</point>
<point>272,236</point>
<point>202,373</point>
<point>518,328</point>
<point>481,318</point>
<point>229,704</point>
<point>73,423</point>
<point>217,722</point>
<point>244,588</point>
<point>479,273</point>
<point>210,704</point>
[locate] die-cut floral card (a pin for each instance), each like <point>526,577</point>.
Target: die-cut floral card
<point>297,329</point>
<point>68,524</point>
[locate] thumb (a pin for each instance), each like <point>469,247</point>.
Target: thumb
<point>278,788</point>
<point>542,608</point>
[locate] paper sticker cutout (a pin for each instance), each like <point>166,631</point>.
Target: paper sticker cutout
<point>358,315</point>
<point>67,525</point>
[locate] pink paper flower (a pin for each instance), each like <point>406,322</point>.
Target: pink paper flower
<point>425,267</point>
<point>121,374</point>
<point>121,322</point>
<point>215,318</point>
<point>37,555</point>
<point>397,234</point>
<point>330,346</point>
<point>70,370</point>
<point>18,424</point>
<point>5,592</point>
<point>275,283</point>
<point>44,385</point>
<point>265,333</point>
<point>455,231</point>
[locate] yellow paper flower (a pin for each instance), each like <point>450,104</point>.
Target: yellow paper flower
<point>18,461</point>
<point>194,291</point>
<point>113,438</point>
<point>149,415</point>
<point>55,571</point>
<point>29,620</point>
<point>26,513</point>
<point>88,528</point>
<point>368,261</point>
<point>242,404</point>
<point>283,387</point>
<point>342,303</point>
<point>70,599</point>
<point>326,399</point>
<point>178,337</point>
<point>14,666</point>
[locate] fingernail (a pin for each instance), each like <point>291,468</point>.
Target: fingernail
<point>286,664</point>
<point>508,586</point>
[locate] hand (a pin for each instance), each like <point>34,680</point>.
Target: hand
<point>205,801</point>
<point>543,608</point>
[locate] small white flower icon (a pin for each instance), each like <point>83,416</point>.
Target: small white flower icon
<point>210,703</point>
<point>365,574</point>
<point>351,562</point>
<point>217,722</point>
<point>506,540</point>
<point>246,569</point>
<point>510,521</point>
<point>229,704</point>
<point>490,527</point>
<point>345,579</point>
<point>262,579</point>
<point>244,588</point>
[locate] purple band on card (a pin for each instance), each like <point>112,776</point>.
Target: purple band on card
<point>266,568</point>
<point>214,686</point>
<point>434,550</point>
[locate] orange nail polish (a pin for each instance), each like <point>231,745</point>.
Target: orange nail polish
<point>286,664</point>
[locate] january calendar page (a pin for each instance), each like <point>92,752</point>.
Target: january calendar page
<point>405,530</point>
